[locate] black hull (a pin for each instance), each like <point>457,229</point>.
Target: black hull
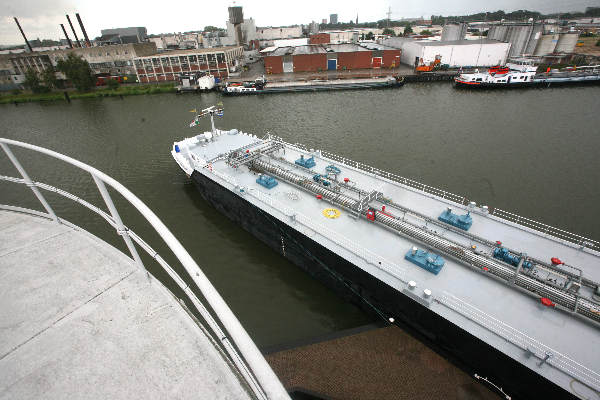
<point>353,284</point>
<point>317,88</point>
<point>462,85</point>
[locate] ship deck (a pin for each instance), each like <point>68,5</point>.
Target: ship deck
<point>81,320</point>
<point>510,320</point>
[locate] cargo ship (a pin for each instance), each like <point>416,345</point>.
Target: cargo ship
<point>511,76</point>
<point>514,302</point>
<point>261,85</point>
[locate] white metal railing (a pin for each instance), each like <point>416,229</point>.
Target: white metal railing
<point>505,215</point>
<point>522,340</point>
<point>547,229</point>
<point>251,364</point>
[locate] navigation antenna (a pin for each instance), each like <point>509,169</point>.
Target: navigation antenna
<point>212,110</point>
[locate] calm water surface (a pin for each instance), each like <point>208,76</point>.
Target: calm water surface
<point>533,152</point>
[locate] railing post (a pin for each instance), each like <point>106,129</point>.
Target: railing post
<point>28,181</point>
<point>120,227</point>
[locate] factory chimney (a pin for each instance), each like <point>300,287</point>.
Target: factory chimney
<point>74,33</point>
<point>23,33</point>
<point>87,41</point>
<point>67,36</point>
<point>236,17</point>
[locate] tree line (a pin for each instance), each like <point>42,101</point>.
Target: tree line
<point>76,70</point>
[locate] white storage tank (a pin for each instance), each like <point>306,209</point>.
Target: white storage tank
<point>566,42</point>
<point>454,31</point>
<point>546,44</point>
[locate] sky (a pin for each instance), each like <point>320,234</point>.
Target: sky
<point>41,18</point>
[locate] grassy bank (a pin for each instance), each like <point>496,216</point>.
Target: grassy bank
<point>131,90</point>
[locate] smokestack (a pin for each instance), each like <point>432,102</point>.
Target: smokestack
<point>74,33</point>
<point>23,33</point>
<point>67,36</point>
<point>87,41</point>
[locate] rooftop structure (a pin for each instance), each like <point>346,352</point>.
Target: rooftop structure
<point>123,35</point>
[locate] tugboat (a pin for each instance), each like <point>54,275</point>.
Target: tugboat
<point>498,76</point>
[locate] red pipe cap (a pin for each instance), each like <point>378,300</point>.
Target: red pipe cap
<point>499,243</point>
<point>547,302</point>
<point>346,180</point>
<point>486,269</point>
<point>319,196</point>
<point>556,261</point>
<point>247,151</point>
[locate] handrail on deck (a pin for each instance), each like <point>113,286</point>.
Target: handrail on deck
<point>540,227</point>
<point>251,364</point>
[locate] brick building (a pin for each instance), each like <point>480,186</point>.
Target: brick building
<point>319,38</point>
<point>166,66</point>
<point>318,57</point>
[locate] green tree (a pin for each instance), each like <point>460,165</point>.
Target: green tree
<point>78,71</point>
<point>408,30</point>
<point>112,84</point>
<point>426,32</point>
<point>388,31</point>
<point>369,36</point>
<point>49,78</point>
<point>210,28</point>
<point>32,81</point>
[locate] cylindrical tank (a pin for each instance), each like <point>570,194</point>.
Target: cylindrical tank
<point>498,32</point>
<point>236,15</point>
<point>546,44</point>
<point>566,42</point>
<point>453,31</point>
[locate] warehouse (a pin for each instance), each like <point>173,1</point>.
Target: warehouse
<point>455,53</point>
<point>313,58</point>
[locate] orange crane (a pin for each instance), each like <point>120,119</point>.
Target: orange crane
<point>435,64</point>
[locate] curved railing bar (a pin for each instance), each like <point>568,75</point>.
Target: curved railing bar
<point>152,253</point>
<point>267,380</point>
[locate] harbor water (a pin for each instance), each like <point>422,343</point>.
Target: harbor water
<point>533,152</point>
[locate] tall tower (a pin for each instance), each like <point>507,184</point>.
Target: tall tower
<point>236,17</point>
<point>357,19</point>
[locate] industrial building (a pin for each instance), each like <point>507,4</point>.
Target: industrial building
<point>333,18</point>
<point>278,33</point>
<point>168,65</point>
<point>136,34</point>
<point>313,58</point>
<point>456,53</point>
<point>110,59</point>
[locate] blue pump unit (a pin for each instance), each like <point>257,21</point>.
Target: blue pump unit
<point>332,169</point>
<point>428,261</point>
<point>306,162</point>
<point>463,222</point>
<point>321,179</point>
<point>502,253</point>
<point>267,181</point>
<point>177,148</point>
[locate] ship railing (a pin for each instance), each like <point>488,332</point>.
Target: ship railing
<point>544,229</point>
<point>228,332</point>
<point>547,229</point>
<point>530,345</point>
<point>444,194</point>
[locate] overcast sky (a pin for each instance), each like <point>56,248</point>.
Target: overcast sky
<point>41,18</point>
